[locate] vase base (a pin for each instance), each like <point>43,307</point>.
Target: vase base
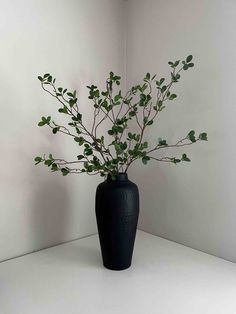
<point>117,268</point>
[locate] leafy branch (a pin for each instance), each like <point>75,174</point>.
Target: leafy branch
<point>116,150</point>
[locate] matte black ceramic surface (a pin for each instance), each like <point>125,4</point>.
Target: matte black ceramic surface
<point>117,210</point>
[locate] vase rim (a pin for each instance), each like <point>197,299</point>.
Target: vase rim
<point>120,176</point>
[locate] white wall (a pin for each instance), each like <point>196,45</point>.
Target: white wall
<point>79,42</point>
<point>193,204</point>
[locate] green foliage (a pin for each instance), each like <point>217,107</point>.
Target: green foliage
<point>189,58</point>
<point>162,142</point>
<point>191,136</point>
<point>185,158</point>
<point>203,136</point>
<point>55,130</point>
<point>65,171</point>
<point>145,159</point>
<point>121,145</point>
<point>37,160</point>
<point>176,160</point>
<point>44,121</point>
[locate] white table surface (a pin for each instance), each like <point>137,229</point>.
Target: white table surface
<point>165,278</point>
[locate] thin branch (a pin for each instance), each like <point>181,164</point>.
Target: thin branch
<point>163,159</point>
<point>178,144</point>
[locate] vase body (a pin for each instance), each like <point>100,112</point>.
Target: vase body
<point>117,211</point>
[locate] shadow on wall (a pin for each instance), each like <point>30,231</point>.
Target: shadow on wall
<point>50,207</point>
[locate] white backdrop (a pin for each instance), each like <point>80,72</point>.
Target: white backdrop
<point>193,204</point>
<point>79,42</point>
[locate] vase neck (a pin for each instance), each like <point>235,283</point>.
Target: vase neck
<point>120,176</point>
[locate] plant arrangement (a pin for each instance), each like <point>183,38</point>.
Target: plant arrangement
<point>127,117</point>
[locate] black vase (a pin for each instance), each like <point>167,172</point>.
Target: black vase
<point>117,210</point>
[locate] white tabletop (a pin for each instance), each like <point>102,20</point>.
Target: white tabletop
<point>165,278</point>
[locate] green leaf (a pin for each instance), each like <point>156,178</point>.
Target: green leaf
<point>150,122</point>
<point>145,145</point>
<point>65,171</point>
<point>189,58</point>
<point>110,132</point>
<point>132,113</point>
<point>124,145</point>
<point>145,159</point>
<point>130,135</point>
<point>203,136</point>
<point>37,160</point>
<point>40,78</point>
<point>46,120</point>
<point>117,97</point>
<point>191,133</point>
<point>160,103</point>
<point>143,97</point>
<point>162,142</point>
<point>118,148</point>
<point>41,123</point>
<point>185,67</point>
<point>172,96</point>
<point>162,80</point>
<point>164,87</point>
<point>191,136</point>
<point>145,120</point>
<point>190,65</point>
<point>79,140</point>
<point>176,63</point>
<point>78,130</point>
<point>176,160</point>
<point>161,108</point>
<point>72,102</point>
<point>48,162</point>
<point>55,130</point>
<point>104,93</point>
<point>63,110</point>
<point>90,168</point>
<point>185,158</point>
<point>54,167</point>
<point>88,152</point>
<point>79,116</point>
<point>79,157</point>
